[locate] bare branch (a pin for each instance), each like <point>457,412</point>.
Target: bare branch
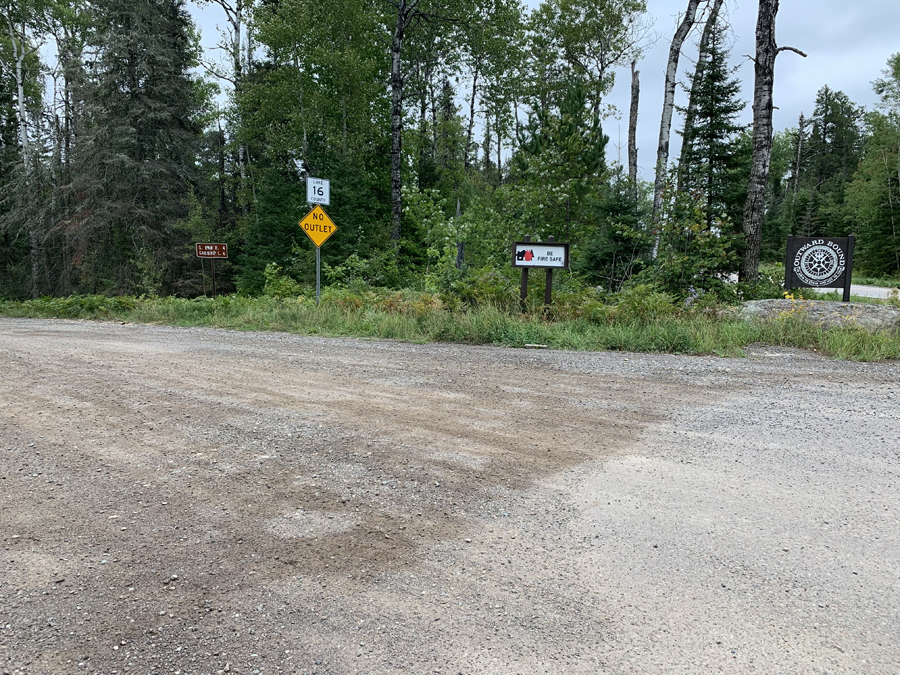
<point>791,49</point>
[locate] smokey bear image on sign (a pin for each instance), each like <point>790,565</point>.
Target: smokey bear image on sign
<point>819,262</point>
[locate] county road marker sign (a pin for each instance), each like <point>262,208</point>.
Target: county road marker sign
<point>318,226</point>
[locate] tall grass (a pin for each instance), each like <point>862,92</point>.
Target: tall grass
<point>422,321</point>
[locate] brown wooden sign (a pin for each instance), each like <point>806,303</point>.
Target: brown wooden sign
<point>819,262</point>
<point>212,251</point>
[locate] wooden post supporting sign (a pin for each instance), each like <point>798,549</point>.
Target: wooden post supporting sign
<point>549,255</point>
<point>523,282</point>
<point>213,252</point>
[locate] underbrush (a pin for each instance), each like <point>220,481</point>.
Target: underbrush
<point>637,320</point>
<point>885,282</point>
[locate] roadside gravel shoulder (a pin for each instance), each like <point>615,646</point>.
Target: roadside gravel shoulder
<point>207,501</point>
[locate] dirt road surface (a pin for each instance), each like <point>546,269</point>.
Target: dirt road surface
<point>196,501</point>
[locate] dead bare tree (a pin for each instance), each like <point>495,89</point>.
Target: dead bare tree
<point>665,124</point>
<point>632,125</point>
<point>754,208</point>
<point>23,47</point>
<point>240,53</point>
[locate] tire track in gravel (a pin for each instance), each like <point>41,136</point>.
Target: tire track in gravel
<point>327,506</point>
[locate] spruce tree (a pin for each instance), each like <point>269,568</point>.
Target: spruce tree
<point>136,154</point>
<point>834,151</point>
<point>712,160</point>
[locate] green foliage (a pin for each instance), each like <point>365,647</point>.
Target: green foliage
<point>279,284</point>
<point>359,274</point>
<point>133,162</point>
<point>643,302</point>
<point>72,307</point>
<point>584,41</point>
<point>643,321</point>
<point>135,155</point>
<point>825,151</point>
<point>694,257</point>
<point>620,245</point>
<point>715,148</point>
<point>873,198</point>
<point>557,173</point>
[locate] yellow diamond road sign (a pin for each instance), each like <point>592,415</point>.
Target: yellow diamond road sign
<point>318,226</point>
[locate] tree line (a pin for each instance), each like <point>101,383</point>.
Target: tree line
<point>448,130</point>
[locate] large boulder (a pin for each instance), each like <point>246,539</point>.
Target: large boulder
<point>827,313</point>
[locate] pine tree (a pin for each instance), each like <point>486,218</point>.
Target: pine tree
<point>711,160</point>
<point>834,151</point>
<point>137,150</point>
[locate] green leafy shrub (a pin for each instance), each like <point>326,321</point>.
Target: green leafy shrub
<point>643,302</point>
<point>280,285</point>
<point>361,274</point>
<point>79,306</point>
<point>695,254</point>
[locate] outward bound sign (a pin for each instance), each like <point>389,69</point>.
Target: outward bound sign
<point>318,226</point>
<point>819,262</point>
<point>548,255</point>
<point>212,250</point>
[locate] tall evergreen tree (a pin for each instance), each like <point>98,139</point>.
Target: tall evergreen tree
<point>826,162</point>
<point>136,154</point>
<point>711,160</point>
<point>874,196</point>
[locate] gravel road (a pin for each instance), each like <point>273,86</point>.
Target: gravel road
<point>197,501</point>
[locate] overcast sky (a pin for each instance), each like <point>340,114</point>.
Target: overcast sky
<point>848,43</point>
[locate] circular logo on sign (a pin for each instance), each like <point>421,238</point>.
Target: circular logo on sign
<point>819,263</point>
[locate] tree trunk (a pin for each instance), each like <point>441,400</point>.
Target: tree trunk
<point>467,161</point>
<point>687,141</point>
<point>304,150</point>
<point>632,126</point>
<point>754,208</point>
<point>423,121</point>
<point>35,241</point>
<point>434,123</point>
<point>665,124</point>
<point>397,125</point>
<point>499,154</point>
<point>801,125</point>
<point>234,13</point>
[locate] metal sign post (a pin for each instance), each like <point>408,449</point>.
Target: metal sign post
<point>319,228</point>
<point>819,262</point>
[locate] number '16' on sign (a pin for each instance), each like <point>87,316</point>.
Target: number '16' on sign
<point>318,191</point>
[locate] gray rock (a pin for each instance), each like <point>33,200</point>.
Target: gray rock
<point>827,313</point>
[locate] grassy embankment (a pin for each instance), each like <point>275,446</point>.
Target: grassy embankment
<point>885,282</point>
<point>421,318</point>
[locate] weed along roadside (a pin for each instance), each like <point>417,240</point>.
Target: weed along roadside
<point>640,320</point>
